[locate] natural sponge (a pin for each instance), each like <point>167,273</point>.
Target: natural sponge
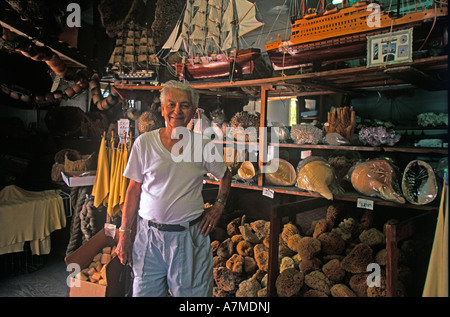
<point>289,282</point>
<point>331,243</point>
<point>308,247</point>
<point>358,259</point>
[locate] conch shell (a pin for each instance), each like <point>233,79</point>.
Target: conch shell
<point>316,176</point>
<point>247,171</point>
<point>419,183</point>
<point>284,175</point>
<point>375,178</point>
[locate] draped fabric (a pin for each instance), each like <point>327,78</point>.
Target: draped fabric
<point>436,283</point>
<point>110,185</point>
<point>100,189</point>
<point>29,216</point>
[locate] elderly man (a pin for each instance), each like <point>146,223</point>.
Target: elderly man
<point>171,250</point>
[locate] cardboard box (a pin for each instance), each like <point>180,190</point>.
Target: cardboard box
<point>73,180</point>
<point>83,257</point>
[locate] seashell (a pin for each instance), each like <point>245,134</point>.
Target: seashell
<point>419,183</point>
<point>284,175</point>
<point>247,171</point>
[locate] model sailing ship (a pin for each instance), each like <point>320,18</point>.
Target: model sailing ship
<point>333,34</point>
<point>134,56</point>
<point>206,39</point>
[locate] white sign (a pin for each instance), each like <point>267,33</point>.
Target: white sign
<point>364,203</point>
<point>268,192</point>
<point>123,127</point>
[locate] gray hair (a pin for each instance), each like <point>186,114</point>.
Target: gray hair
<point>173,84</point>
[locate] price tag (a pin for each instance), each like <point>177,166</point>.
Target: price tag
<point>268,192</point>
<point>305,154</point>
<point>123,126</point>
<point>364,203</point>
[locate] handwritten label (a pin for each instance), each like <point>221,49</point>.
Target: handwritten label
<point>123,126</point>
<point>268,192</point>
<point>364,203</point>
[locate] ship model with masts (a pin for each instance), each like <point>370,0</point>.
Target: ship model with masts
<point>205,42</point>
<point>134,57</point>
<point>331,34</point>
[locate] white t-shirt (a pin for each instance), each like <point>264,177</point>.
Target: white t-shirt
<point>171,187</point>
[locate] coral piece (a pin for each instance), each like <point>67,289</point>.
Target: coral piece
<point>376,178</point>
<point>341,120</point>
<point>331,243</point>
<point>245,126</point>
<point>358,259</point>
<point>342,290</point>
<point>289,282</point>
<point>333,270</point>
<point>376,136</point>
<point>318,281</point>
<point>306,134</point>
<point>372,237</point>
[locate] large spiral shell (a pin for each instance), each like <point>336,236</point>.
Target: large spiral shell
<point>419,183</point>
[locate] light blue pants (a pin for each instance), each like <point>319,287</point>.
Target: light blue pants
<point>177,261</point>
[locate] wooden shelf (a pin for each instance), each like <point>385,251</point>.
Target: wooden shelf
<point>347,196</point>
<point>417,150</point>
<point>353,81</point>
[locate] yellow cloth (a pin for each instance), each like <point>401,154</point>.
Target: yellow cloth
<point>114,189</point>
<point>29,216</point>
<point>436,283</point>
<point>101,185</point>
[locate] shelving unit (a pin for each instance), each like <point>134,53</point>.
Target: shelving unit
<point>427,73</point>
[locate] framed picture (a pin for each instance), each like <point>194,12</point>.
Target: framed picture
<point>389,48</point>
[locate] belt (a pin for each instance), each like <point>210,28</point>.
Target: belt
<point>170,227</point>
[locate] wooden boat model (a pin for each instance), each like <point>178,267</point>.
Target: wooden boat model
<point>340,34</point>
<point>134,59</point>
<point>205,42</point>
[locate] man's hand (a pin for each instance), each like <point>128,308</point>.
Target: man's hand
<point>124,247</point>
<point>211,218</point>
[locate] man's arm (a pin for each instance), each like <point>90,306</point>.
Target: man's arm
<point>212,216</point>
<point>128,225</point>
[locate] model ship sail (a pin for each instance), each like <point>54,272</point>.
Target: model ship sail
<point>134,57</point>
<point>333,34</point>
<point>207,39</point>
